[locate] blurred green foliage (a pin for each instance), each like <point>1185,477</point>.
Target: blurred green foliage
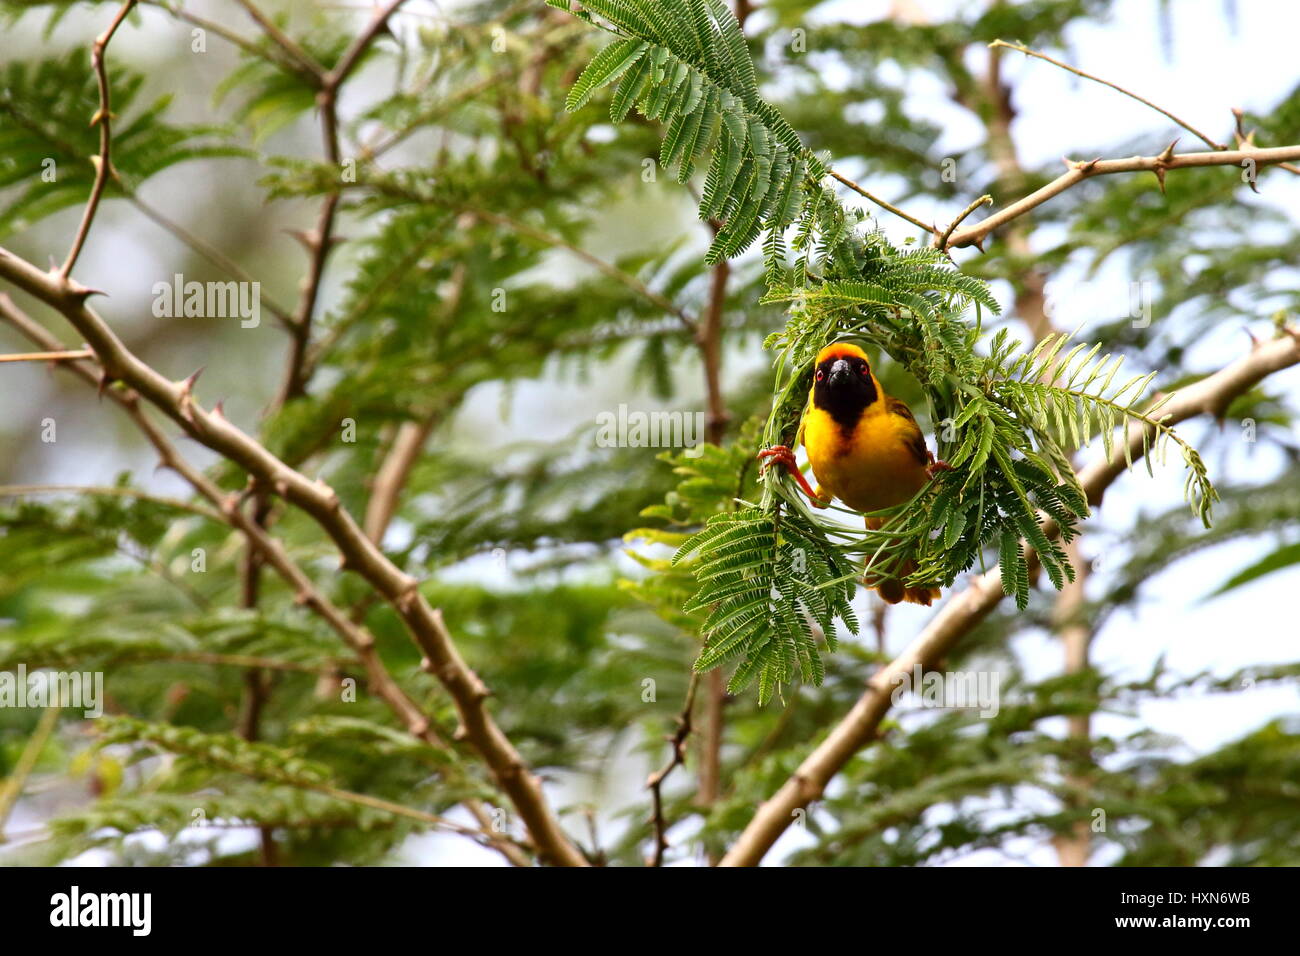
<point>474,187</point>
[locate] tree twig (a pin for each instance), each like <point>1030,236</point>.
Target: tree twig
<point>963,611</point>
<point>108,491</point>
<point>67,356</point>
<point>941,242</point>
<point>676,758</point>
<point>393,473</point>
<point>883,204</point>
<point>321,240</point>
<point>1114,86</point>
<point>352,55</point>
<point>103,116</point>
<point>1246,140</point>
<point>307,67</point>
<point>209,252</point>
<point>180,13</point>
<point>974,235</point>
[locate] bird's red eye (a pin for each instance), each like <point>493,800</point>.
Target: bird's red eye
<point>820,375</point>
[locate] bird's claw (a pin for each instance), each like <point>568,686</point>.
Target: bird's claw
<point>778,454</point>
<point>936,465</point>
<point>782,455</point>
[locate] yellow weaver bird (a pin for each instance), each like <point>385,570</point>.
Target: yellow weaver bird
<point>865,449</point>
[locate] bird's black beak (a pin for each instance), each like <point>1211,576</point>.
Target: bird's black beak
<point>841,373</point>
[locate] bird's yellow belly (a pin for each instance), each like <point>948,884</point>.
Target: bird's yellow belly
<point>869,469</point>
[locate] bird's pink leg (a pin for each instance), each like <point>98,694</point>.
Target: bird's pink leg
<point>936,465</point>
<point>782,455</point>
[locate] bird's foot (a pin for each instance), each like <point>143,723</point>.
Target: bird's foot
<point>936,465</point>
<point>782,455</point>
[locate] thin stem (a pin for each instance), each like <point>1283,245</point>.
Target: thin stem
<point>352,55</point>
<point>14,783</point>
<point>320,241</point>
<point>225,33</point>
<point>72,356</point>
<point>676,758</point>
<point>103,116</point>
<point>306,65</point>
<point>1114,86</point>
<point>942,241</point>
<point>108,491</point>
<point>207,251</point>
<point>883,204</point>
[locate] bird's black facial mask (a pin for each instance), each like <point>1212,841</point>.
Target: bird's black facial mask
<point>842,387</point>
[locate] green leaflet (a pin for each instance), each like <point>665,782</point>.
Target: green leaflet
<point>759,579</point>
<point>606,67</point>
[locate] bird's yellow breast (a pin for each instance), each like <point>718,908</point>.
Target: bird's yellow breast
<point>870,465</point>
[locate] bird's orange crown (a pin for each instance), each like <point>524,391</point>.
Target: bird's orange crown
<point>838,350</point>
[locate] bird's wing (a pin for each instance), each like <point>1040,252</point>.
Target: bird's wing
<point>803,422</point>
<point>912,432</point>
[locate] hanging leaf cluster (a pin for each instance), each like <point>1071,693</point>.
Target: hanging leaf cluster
<point>1006,420</point>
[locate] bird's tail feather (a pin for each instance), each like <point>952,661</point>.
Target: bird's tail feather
<point>891,589</point>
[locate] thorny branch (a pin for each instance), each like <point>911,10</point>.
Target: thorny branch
<point>303,63</point>
<point>63,356</point>
<point>1246,155</point>
<point>676,758</point>
<point>102,117</point>
<point>306,593</point>
<point>974,235</point>
<point>320,241</point>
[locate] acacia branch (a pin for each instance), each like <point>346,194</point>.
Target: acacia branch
<point>321,240</point>
<point>941,242</point>
<point>352,55</point>
<point>974,235</point>
<point>175,400</point>
<point>1210,396</point>
<point>272,54</point>
<point>103,116</point>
